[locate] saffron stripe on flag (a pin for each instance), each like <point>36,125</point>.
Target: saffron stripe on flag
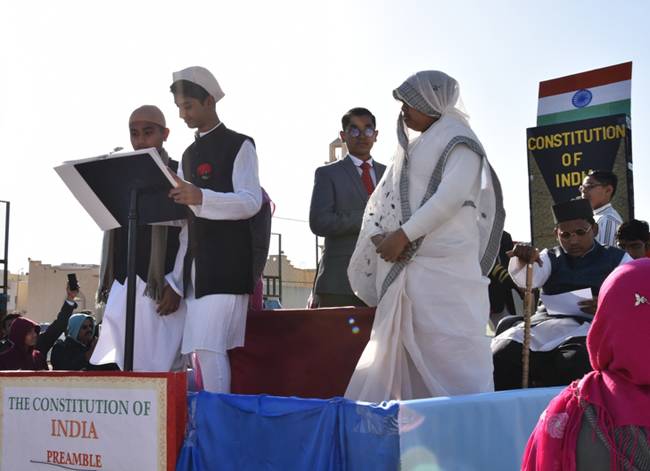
<point>617,91</point>
<point>589,79</point>
<point>607,109</point>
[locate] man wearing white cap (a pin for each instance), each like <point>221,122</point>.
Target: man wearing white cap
<point>158,319</point>
<point>218,261</point>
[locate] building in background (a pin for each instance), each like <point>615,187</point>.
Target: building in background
<point>296,282</point>
<point>18,293</point>
<point>47,288</point>
<point>39,294</point>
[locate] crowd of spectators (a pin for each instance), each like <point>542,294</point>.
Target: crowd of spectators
<point>68,340</point>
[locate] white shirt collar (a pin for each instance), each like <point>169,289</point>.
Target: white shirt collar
<point>603,208</point>
<point>357,161</point>
<point>201,134</point>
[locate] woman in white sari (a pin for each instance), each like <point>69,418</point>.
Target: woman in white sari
<point>430,235</point>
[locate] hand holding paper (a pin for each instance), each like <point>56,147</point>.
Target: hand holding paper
<point>185,193</point>
<point>588,306</point>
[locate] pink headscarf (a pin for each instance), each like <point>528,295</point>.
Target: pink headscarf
<point>618,388</point>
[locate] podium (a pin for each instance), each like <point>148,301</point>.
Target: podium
<point>124,189</point>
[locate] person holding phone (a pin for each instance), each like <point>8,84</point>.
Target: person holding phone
<point>75,350</point>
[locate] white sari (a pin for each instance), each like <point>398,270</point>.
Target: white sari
<point>429,334</point>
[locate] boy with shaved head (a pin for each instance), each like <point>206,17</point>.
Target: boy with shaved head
<point>159,315</point>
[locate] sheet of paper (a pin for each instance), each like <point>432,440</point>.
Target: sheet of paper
<point>566,303</point>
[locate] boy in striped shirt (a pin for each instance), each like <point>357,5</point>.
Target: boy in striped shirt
<point>599,187</point>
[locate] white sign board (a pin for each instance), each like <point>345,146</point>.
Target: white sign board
<point>83,423</point>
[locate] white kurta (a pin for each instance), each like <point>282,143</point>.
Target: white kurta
<point>429,334</point>
<point>157,339</point>
<point>217,322</point>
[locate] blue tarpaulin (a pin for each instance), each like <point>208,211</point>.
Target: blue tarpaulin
<point>234,432</point>
<point>476,432</point>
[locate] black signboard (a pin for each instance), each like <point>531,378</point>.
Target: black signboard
<point>561,155</point>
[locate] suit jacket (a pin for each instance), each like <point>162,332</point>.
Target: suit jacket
<point>337,204</point>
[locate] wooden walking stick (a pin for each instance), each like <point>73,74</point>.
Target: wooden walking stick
<point>528,312</point>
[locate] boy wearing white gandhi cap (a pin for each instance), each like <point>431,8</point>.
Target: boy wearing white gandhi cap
<point>216,266</point>
<point>159,317</point>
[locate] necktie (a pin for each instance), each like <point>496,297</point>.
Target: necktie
<point>366,178</point>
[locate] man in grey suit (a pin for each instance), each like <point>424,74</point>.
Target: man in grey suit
<point>341,191</point>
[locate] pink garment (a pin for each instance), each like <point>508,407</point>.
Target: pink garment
<point>618,388</point>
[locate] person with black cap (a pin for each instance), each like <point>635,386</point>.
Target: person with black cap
<point>558,350</point>
<point>224,245</point>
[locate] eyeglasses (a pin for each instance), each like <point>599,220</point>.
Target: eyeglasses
<point>354,131</point>
<point>589,187</point>
<point>634,245</point>
<point>566,235</point>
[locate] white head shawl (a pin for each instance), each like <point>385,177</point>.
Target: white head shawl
<point>433,93</point>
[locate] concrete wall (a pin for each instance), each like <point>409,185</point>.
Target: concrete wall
<point>296,282</point>
<point>47,288</point>
<point>18,293</point>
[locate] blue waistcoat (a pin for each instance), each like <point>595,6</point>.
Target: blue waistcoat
<point>589,271</point>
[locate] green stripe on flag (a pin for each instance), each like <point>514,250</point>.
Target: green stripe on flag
<point>606,109</point>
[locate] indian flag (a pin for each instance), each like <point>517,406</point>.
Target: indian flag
<point>600,92</point>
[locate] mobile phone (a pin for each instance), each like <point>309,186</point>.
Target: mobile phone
<point>73,284</point>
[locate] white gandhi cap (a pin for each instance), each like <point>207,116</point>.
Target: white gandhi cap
<point>202,77</point>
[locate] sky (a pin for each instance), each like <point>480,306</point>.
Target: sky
<point>71,72</point>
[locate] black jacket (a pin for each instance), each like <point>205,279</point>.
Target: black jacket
<point>70,355</point>
<point>57,327</point>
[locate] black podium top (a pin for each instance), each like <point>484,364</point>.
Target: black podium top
<point>111,178</point>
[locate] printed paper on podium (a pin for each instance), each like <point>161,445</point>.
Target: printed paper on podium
<point>103,186</point>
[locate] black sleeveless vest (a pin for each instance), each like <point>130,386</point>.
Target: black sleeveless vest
<point>221,249</point>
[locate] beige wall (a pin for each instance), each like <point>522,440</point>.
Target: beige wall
<point>18,291</point>
<point>296,282</point>
<point>47,287</point>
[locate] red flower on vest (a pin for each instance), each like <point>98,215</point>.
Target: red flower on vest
<point>204,171</point>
